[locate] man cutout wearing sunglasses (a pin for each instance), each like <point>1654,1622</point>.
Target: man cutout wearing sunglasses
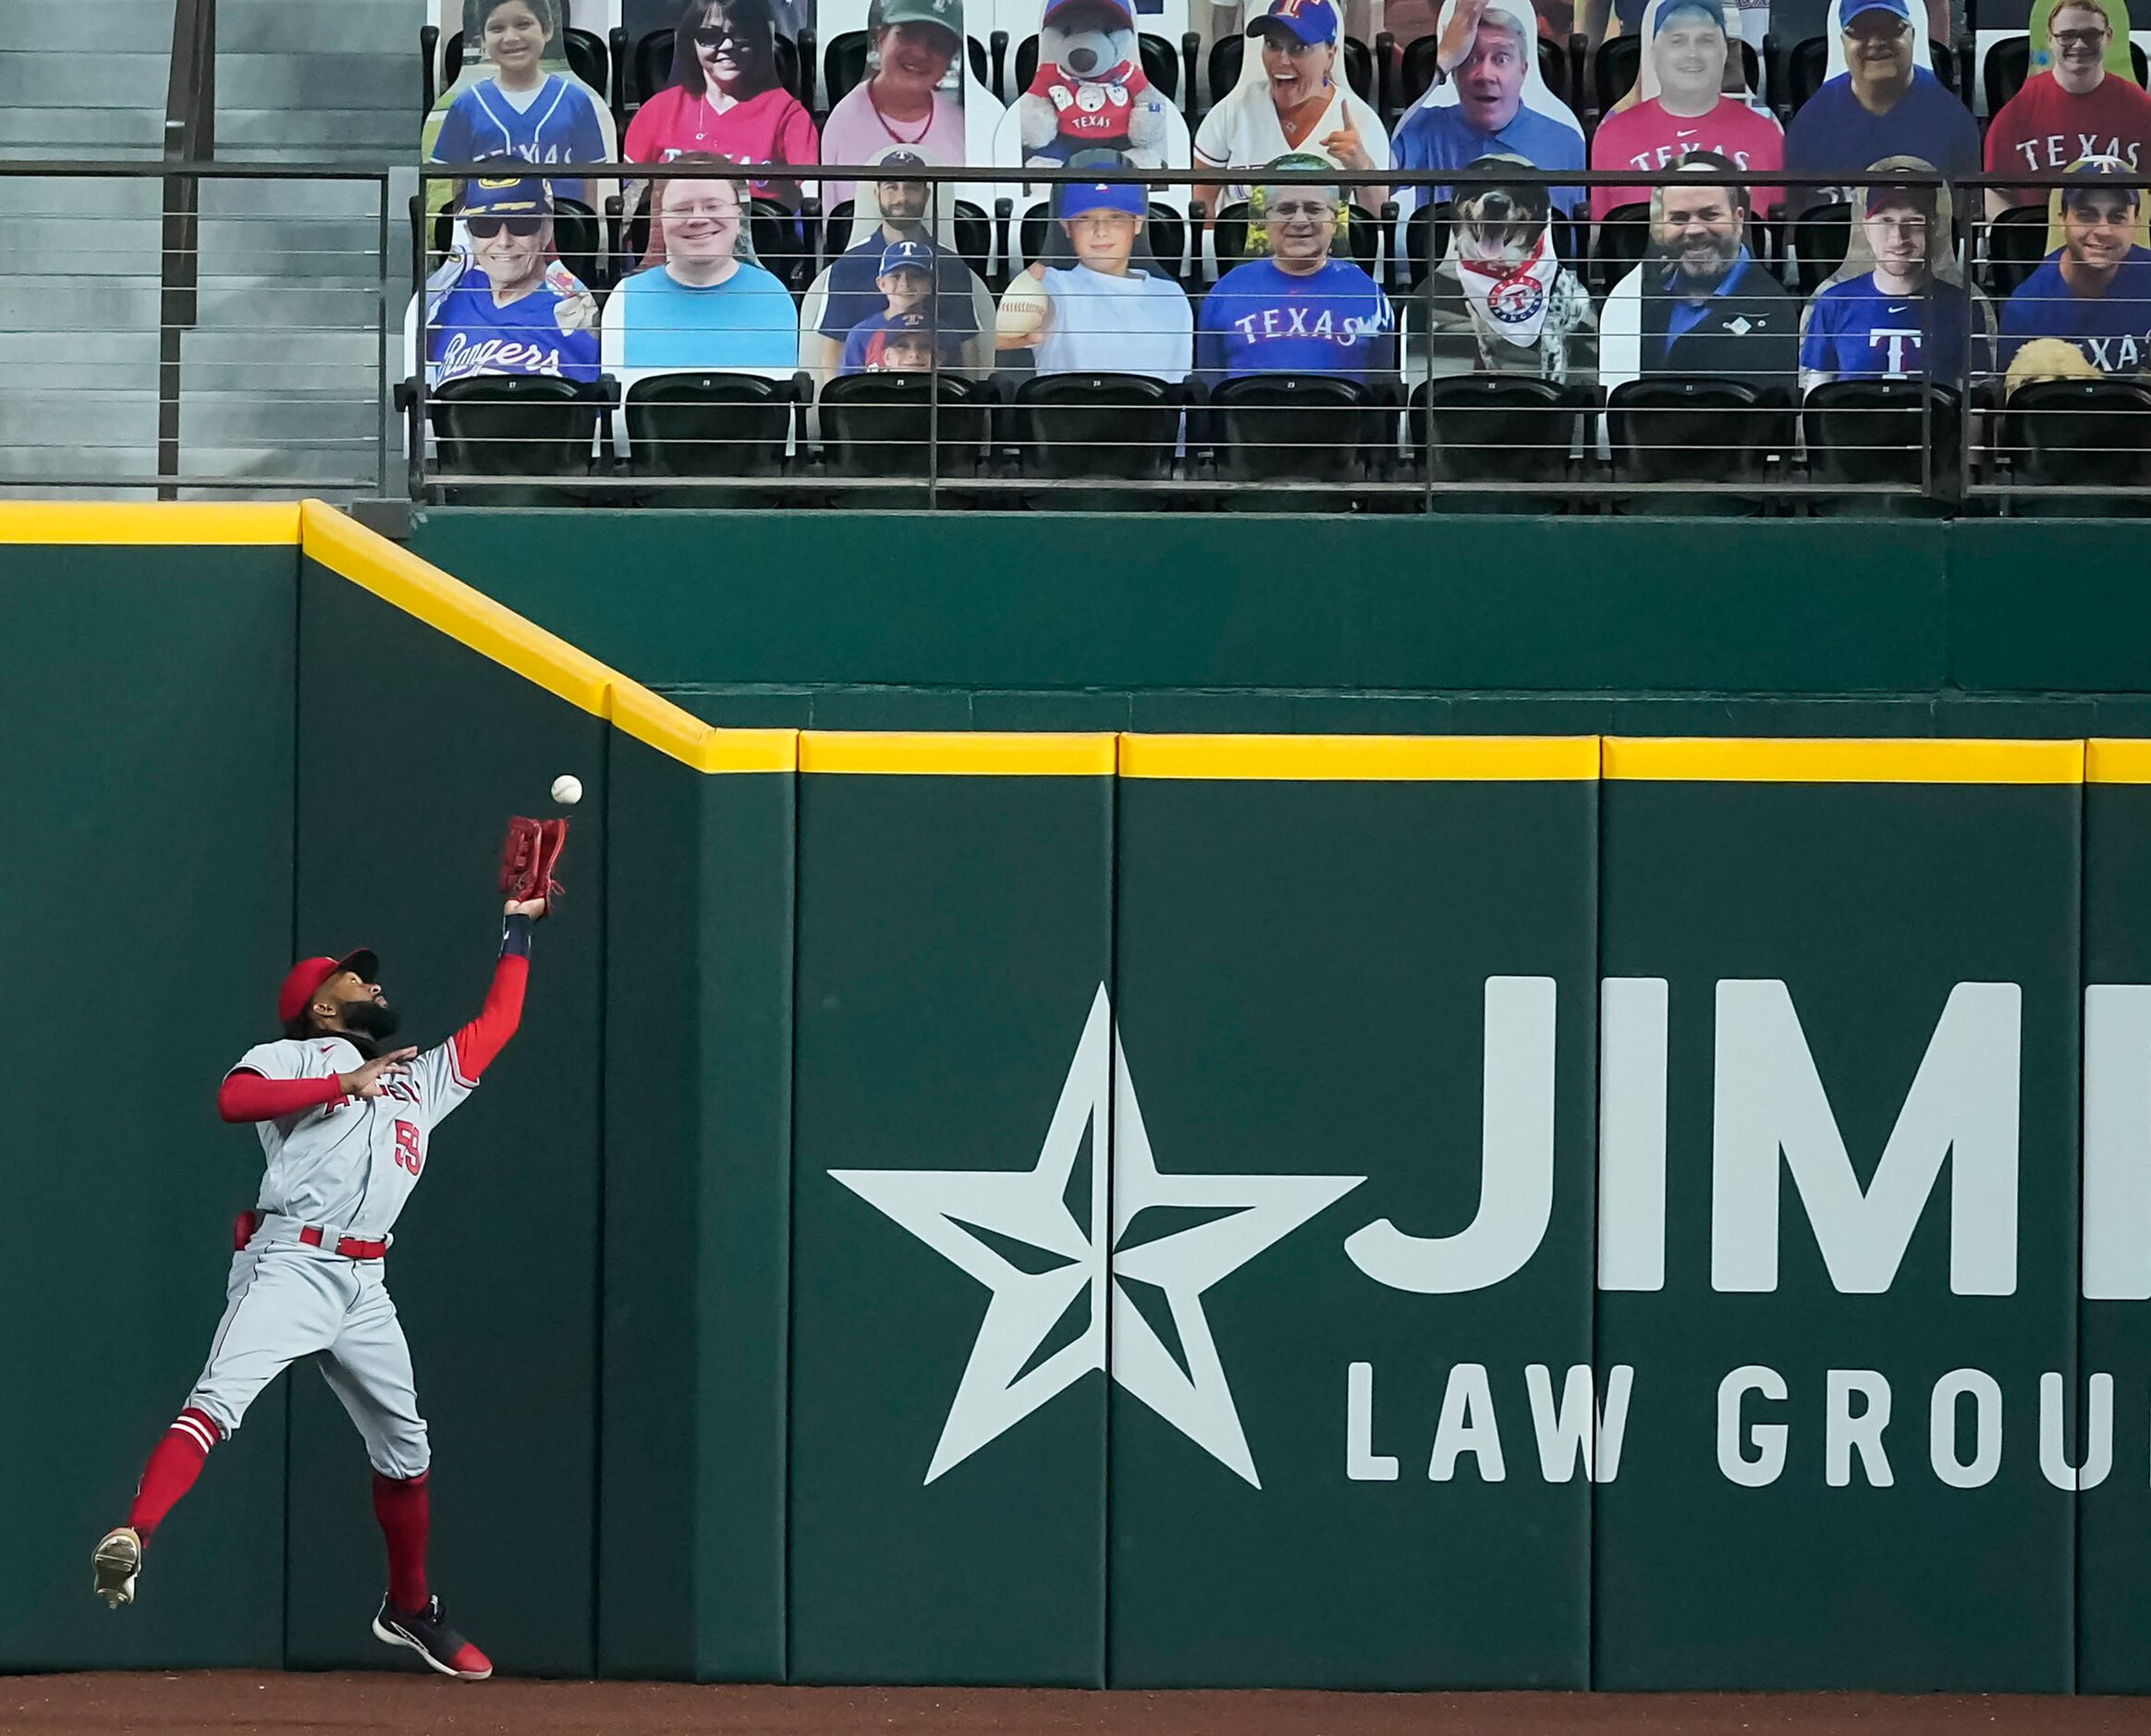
<point>507,306</point>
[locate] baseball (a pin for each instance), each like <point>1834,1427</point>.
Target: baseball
<point>566,790</point>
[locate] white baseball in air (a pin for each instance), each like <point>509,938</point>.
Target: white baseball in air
<point>566,790</point>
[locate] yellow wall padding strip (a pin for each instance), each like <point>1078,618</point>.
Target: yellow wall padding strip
<point>2111,762</point>
<point>1909,761</point>
<point>448,606</point>
<point>1313,759</point>
<point>958,754</point>
<point>118,524</point>
<point>656,722</point>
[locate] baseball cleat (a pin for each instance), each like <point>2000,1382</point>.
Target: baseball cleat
<point>427,1632</point>
<point>118,1559</point>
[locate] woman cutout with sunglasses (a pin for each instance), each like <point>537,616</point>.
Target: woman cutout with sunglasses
<point>725,101</point>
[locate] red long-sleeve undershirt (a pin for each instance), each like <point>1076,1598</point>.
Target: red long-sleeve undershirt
<point>487,1034</point>
<point>245,1096</point>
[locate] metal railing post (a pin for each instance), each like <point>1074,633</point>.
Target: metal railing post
<point>189,137</point>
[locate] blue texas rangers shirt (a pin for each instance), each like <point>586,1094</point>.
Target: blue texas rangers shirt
<point>559,125</point>
<point>1261,319</point>
<point>1833,136</point>
<point>468,334</point>
<point>2113,330</point>
<point>1857,332</point>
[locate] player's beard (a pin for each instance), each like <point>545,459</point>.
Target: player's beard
<point>372,1018</point>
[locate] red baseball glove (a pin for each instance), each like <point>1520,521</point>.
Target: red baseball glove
<point>529,856</point>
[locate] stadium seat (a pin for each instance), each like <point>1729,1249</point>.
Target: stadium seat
<point>1680,428</point>
<point>1426,237</point>
<point>844,64</point>
<point>2016,244</point>
<point>2093,435</point>
<point>1953,68</point>
<point>1228,234</point>
<point>515,425</point>
<point>1292,427</point>
<point>1623,242</point>
<point>1880,431</point>
<point>889,424</point>
<point>1807,69</point>
<point>2009,64</point>
<point>1816,241</point>
<point>1161,65</point>
<point>708,425</point>
<point>579,239</point>
<point>1228,52</point>
<point>650,67</point>
<point>586,54</point>
<point>1101,427</point>
<point>1497,428</point>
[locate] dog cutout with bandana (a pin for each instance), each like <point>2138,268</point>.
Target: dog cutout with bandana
<point>1501,301</point>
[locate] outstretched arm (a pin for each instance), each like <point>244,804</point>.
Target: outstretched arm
<point>247,1096</point>
<point>477,1043</point>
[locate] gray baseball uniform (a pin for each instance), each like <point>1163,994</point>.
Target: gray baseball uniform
<point>338,1176</point>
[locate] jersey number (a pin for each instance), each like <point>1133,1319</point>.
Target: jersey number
<point>407,1151</point>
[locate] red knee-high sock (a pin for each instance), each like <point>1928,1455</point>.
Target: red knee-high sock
<point>174,1463</point>
<point>399,1503</point>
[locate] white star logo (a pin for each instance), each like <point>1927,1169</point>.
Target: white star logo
<point>956,1211</point>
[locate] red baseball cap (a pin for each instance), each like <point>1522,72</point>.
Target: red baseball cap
<point>308,974</point>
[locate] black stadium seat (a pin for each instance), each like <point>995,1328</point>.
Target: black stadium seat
<point>1681,428</point>
<point>2083,433</point>
<point>1877,431</point>
<point>1292,427</point>
<point>2009,64</point>
<point>1623,242</point>
<point>515,425</point>
<point>1496,427</point>
<point>887,424</point>
<point>708,425</point>
<point>2016,243</point>
<point>1819,238</point>
<point>1103,427</point>
<point>579,239</point>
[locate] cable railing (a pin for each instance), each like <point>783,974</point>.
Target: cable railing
<point>976,338</point>
<point>196,329</point>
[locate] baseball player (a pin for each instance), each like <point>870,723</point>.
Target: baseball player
<point>346,1125</point>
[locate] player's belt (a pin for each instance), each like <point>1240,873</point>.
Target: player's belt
<point>314,1235</point>
<point>344,1247</point>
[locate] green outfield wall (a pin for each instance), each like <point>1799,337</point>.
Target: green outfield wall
<point>1097,1206</point>
<point>1425,624</point>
